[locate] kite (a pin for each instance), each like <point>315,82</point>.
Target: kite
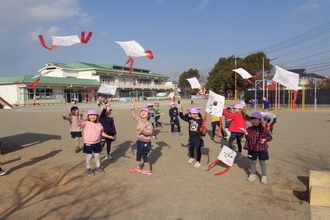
<point>244,74</point>
<point>107,89</point>
<point>194,83</point>
<point>286,78</point>
<point>66,40</point>
<point>215,104</point>
<point>134,49</point>
<point>227,156</point>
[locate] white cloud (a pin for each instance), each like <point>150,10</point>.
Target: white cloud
<point>310,5</point>
<point>52,31</point>
<point>203,4</point>
<point>104,34</point>
<point>18,15</point>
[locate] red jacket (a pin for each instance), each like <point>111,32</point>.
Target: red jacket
<point>237,122</point>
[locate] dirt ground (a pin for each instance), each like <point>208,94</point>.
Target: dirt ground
<point>46,180</point>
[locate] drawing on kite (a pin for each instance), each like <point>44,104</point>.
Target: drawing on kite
<point>215,104</point>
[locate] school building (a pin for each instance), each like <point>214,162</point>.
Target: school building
<point>80,81</point>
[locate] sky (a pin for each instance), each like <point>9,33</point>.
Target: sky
<point>182,34</point>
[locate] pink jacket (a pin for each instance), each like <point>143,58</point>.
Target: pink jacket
<point>92,131</point>
<point>237,122</point>
<point>145,134</point>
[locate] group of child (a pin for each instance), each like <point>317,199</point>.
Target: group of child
<point>99,130</point>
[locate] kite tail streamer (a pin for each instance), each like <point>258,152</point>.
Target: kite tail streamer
<point>222,172</point>
<point>150,54</point>
<point>83,39</point>
<point>212,164</point>
<point>257,75</point>
<point>34,83</point>
<point>42,41</point>
<point>249,81</point>
<point>203,128</point>
<point>131,63</point>
<point>220,128</point>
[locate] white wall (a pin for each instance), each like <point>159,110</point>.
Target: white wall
<point>9,93</point>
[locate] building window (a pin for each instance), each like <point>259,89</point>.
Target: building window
<point>107,78</point>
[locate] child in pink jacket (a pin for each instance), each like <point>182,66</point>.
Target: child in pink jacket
<point>93,131</point>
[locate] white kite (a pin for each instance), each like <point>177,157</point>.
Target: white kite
<point>65,40</point>
<point>286,78</point>
<point>227,155</point>
<point>194,83</point>
<point>134,49</point>
<point>244,74</point>
<point>107,89</point>
<point>161,94</point>
<point>215,104</point>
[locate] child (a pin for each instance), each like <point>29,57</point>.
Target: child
<point>196,139</point>
<point>156,109</point>
<point>144,131</point>
<point>269,119</point>
<point>174,120</point>
<point>266,104</point>
<point>109,128</point>
<point>75,130</point>
<point>257,137</point>
<point>253,104</point>
<point>215,121</point>
<point>93,131</point>
<point>152,116</point>
<point>238,121</point>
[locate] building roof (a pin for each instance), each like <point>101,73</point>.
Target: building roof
<point>301,72</point>
<point>82,66</point>
<point>47,79</point>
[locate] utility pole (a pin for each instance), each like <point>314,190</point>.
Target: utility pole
<point>263,77</point>
<point>235,80</point>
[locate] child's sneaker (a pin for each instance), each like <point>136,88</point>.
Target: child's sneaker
<point>109,157</point>
<point>145,171</point>
<point>90,172</point>
<point>135,169</point>
<point>180,133</point>
<point>239,155</point>
<point>77,150</point>
<point>264,180</point>
<point>99,170</point>
<point>172,133</point>
<point>197,164</point>
<point>2,172</point>
<point>191,160</point>
<point>251,177</point>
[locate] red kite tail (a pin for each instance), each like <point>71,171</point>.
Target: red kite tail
<point>203,128</point>
<point>150,54</point>
<point>131,63</point>
<point>32,85</point>
<point>42,41</point>
<point>211,165</point>
<point>222,172</point>
<point>84,40</point>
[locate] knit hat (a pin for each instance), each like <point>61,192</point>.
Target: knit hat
<point>238,106</point>
<point>256,115</point>
<point>92,112</point>
<point>194,109</point>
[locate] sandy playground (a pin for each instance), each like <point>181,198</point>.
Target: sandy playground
<point>46,180</point>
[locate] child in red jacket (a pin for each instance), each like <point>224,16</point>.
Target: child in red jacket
<point>239,119</point>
